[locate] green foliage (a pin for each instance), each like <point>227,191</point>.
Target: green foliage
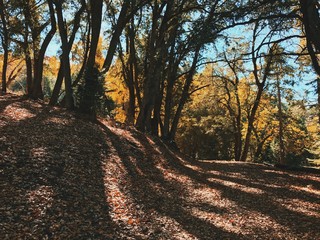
<point>19,86</point>
<point>90,95</point>
<point>48,85</point>
<point>295,158</point>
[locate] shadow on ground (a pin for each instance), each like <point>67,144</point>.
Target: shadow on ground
<point>51,178</point>
<point>281,198</point>
<point>53,186</point>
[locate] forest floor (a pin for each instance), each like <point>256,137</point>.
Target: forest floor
<point>62,177</point>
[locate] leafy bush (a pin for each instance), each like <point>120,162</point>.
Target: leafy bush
<point>90,95</point>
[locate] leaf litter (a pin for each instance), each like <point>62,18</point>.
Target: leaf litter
<point>62,177</point>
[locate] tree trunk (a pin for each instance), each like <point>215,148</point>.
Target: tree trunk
<point>39,59</point>
<point>318,92</point>
<point>281,143</point>
<point>65,56</point>
<point>128,76</point>
<point>5,46</point>
<point>57,87</point>
<point>238,136</point>
<point>133,76</point>
<point>311,22</point>
<point>156,119</point>
<point>260,83</point>
<point>172,74</point>
<point>121,23</point>
<point>185,94</point>
<point>4,67</point>
<point>238,142</point>
<point>251,119</point>
<point>29,81</point>
<point>28,61</point>
<point>156,56</point>
<point>87,104</point>
<point>26,49</point>
<point>151,78</point>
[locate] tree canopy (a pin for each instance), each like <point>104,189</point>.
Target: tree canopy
<point>218,79</point>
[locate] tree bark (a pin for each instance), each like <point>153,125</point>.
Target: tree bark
<point>171,78</point>
<point>121,23</point>
<point>281,142</point>
<point>65,56</point>
<point>57,86</point>
<point>151,78</point>
<point>26,49</point>
<point>61,74</point>
<point>185,94</point>
<point>39,59</point>
<point>311,22</point>
<point>87,104</point>
<point>5,46</point>
<point>234,114</point>
<point>128,72</point>
<point>260,83</point>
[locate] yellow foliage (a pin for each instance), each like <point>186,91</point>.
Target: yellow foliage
<point>52,65</point>
<point>118,91</point>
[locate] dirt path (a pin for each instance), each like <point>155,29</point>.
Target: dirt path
<point>65,178</point>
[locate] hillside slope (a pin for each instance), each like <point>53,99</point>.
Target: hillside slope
<point>66,178</point>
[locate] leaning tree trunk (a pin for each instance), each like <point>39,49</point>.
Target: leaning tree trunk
<point>121,23</point>
<point>185,95</point>
<point>39,60</point>
<point>65,56</point>
<point>57,87</point>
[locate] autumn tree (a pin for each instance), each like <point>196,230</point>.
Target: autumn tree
<point>32,26</point>
<point>229,80</point>
<point>261,73</point>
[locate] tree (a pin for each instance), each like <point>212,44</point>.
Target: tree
<point>65,70</point>
<point>5,45</point>
<point>32,26</point>
<point>279,71</point>
<point>67,43</point>
<point>261,75</point>
<point>311,23</point>
<point>37,91</point>
<point>230,83</point>
<point>87,103</point>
